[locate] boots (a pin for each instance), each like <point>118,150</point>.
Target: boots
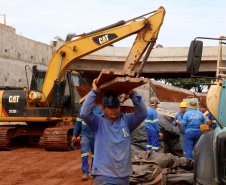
<point>85,177</point>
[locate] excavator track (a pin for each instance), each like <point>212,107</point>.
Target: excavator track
<point>5,137</point>
<point>57,138</point>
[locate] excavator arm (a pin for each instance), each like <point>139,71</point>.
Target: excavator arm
<point>147,31</point>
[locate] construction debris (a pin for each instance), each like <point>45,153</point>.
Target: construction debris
<point>157,168</point>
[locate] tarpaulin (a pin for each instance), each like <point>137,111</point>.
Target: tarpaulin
<point>161,169</point>
<point>170,143</point>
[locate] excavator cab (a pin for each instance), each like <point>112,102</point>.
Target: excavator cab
<point>71,94</point>
<point>67,94</point>
<point>37,78</point>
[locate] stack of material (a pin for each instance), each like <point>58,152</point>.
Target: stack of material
<point>160,169</point>
<point>118,81</point>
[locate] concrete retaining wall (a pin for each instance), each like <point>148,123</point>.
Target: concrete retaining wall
<point>15,53</point>
<point>7,28</point>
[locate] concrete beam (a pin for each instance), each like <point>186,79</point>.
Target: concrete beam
<point>162,62</point>
<point>152,69</point>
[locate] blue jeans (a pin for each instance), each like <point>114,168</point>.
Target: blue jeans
<point>103,180</point>
<point>191,138</point>
<point>86,145</point>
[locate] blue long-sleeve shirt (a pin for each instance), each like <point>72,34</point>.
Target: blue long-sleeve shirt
<point>179,117</point>
<point>85,131</point>
<point>192,120</point>
<point>151,121</point>
<point>112,140</point>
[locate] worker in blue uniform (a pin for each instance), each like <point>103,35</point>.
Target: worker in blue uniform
<point>87,141</point>
<point>211,122</point>
<point>192,120</point>
<point>152,126</point>
<point>112,163</point>
<point>177,122</point>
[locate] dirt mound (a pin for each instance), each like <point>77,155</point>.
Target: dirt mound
<point>170,95</point>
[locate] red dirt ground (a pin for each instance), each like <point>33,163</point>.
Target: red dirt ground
<point>36,166</point>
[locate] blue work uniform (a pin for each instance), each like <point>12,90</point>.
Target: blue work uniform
<point>152,129</point>
<point>112,159</point>
<point>192,120</point>
<point>87,139</point>
<point>214,125</point>
<point>179,117</point>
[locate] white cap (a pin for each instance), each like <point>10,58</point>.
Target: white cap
<point>154,100</point>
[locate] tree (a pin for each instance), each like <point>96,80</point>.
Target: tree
<point>58,38</point>
<point>186,83</point>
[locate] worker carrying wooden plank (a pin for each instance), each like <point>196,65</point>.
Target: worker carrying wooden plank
<point>112,162</point>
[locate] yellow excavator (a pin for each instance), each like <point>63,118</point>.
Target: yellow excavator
<point>52,99</point>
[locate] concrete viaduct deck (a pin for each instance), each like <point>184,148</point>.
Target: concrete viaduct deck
<point>162,62</point>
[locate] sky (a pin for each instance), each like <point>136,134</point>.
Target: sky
<point>42,20</point>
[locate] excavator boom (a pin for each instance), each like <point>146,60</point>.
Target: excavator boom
<point>147,31</point>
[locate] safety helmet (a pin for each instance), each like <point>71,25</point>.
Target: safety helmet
<point>110,99</point>
<point>183,104</point>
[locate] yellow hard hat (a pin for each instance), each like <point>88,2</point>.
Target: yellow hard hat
<point>183,104</point>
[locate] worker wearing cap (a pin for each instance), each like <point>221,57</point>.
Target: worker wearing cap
<point>211,121</point>
<point>152,126</point>
<point>192,120</point>
<point>112,161</point>
<point>177,122</point>
<point>87,141</point>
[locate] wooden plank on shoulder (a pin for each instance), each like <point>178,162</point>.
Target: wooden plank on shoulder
<point>109,74</point>
<point>120,85</point>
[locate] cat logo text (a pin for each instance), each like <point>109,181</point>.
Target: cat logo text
<point>102,39</point>
<point>14,99</point>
